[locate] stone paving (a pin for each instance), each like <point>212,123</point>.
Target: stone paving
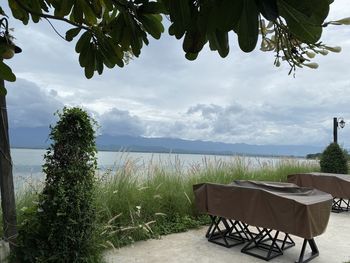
<point>193,247</point>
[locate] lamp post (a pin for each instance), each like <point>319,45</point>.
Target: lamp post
<point>337,122</point>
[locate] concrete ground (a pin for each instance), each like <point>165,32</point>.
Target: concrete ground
<point>193,247</point>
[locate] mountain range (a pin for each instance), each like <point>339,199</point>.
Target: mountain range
<point>38,138</point>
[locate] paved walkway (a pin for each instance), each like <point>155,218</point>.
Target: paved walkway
<point>193,247</point>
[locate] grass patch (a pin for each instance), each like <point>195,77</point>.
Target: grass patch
<point>138,202</point>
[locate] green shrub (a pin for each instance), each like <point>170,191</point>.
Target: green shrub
<point>61,227</point>
<point>333,160</point>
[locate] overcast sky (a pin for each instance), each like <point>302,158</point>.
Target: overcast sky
<point>242,98</point>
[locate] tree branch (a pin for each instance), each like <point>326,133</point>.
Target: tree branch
<point>47,16</point>
<point>54,29</point>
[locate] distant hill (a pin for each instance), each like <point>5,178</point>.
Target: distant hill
<point>38,138</point>
<point>29,137</point>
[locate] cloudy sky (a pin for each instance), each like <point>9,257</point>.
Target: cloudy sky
<point>242,98</point>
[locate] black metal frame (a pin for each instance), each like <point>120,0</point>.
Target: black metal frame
<point>262,244</point>
<point>340,205</point>
<point>249,234</point>
<point>314,251</point>
<point>287,242</point>
<point>227,234</point>
<point>265,246</point>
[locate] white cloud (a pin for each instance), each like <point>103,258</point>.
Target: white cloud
<point>120,122</point>
<point>31,106</point>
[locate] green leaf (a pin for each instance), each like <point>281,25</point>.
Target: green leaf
<point>248,27</point>
<point>171,30</point>
<point>109,58</point>
<point>99,62</point>
<point>218,40</point>
<point>77,14</point>
<point>268,8</point>
<point>112,54</point>
<point>315,10</point>
<point>193,41</point>
<point>72,33</point>
<point>133,36</point>
<point>207,17</point>
<point>180,15</point>
<point>117,27</point>
<point>125,42</point>
<point>87,56</point>
<point>36,7</point>
<point>89,71</point>
<point>303,24</point>
<point>228,14</point>
<point>3,48</point>
<point>108,4</point>
<point>223,43</point>
<point>90,16</point>
<point>6,72</point>
<point>83,41</point>
<point>84,56</point>
<point>152,25</point>
<point>63,8</point>
<point>89,61</point>
<point>97,8</point>
<point>191,56</point>
<point>152,8</point>
<point>18,12</point>
<point>3,91</point>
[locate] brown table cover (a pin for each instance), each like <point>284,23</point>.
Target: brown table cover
<point>285,207</point>
<point>338,185</point>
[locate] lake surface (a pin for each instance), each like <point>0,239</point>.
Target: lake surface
<point>28,162</point>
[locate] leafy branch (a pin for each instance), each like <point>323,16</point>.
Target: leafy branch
<point>48,16</point>
<point>116,30</point>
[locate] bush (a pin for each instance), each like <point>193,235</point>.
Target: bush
<point>61,227</point>
<point>333,160</point>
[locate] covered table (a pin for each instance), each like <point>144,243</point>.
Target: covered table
<point>338,185</point>
<point>283,207</point>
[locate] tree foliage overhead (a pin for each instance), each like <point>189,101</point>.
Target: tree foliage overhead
<point>110,31</point>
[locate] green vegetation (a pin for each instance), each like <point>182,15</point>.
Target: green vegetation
<point>137,203</point>
<point>161,201</point>
<point>60,227</point>
<point>334,160</point>
<point>316,156</point>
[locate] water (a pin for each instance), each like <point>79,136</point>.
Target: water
<point>28,162</point>
<point>31,160</point>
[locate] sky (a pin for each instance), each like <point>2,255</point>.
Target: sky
<point>243,98</point>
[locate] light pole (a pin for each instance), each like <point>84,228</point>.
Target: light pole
<point>337,122</point>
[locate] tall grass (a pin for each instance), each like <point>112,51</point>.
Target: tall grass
<point>159,200</point>
<point>140,201</point>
